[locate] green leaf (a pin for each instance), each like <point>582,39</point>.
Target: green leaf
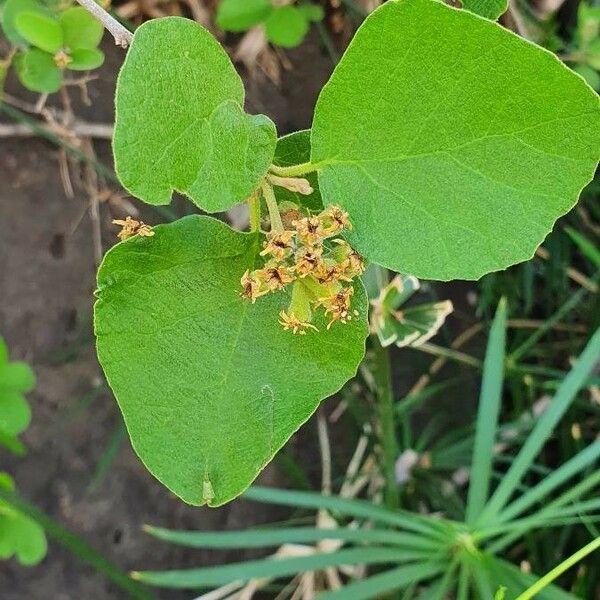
<point>275,567</point>
<point>15,414</point>
<point>454,154</point>
<point>490,402</point>
<point>85,59</point>
<point>16,376</point>
<point>20,536</point>
<point>566,394</point>
<point>294,149</point>
<point>237,151</point>
<point>12,9</point>
<point>213,386</point>
<point>313,12</point>
<point>241,15</point>
<point>286,26</point>
<point>176,74</point>
<point>80,29</point>
<point>37,72</point>
<point>490,9</point>
<point>40,30</point>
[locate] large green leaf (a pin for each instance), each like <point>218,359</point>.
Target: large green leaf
<point>210,385</point>
<point>453,143</point>
<point>174,77</point>
<point>490,9</point>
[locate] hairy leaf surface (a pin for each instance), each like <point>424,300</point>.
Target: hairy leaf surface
<point>174,78</point>
<point>210,385</point>
<point>453,144</point>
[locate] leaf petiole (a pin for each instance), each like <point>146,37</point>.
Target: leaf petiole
<point>269,196</point>
<point>294,170</point>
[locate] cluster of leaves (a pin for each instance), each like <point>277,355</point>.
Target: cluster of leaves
<point>285,24</point>
<point>19,535</point>
<point>460,557</point>
<point>422,175</point>
<point>50,38</point>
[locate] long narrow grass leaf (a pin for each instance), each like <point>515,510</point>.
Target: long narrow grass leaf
<point>565,395</point>
<point>263,538</point>
<point>356,508</point>
<point>566,564</point>
<point>487,416</point>
<point>378,585</point>
<point>550,483</point>
<point>276,567</point>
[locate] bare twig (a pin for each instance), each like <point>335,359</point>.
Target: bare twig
<point>100,131</point>
<point>123,37</point>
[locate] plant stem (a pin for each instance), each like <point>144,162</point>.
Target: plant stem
<point>123,37</point>
<point>254,210</point>
<point>294,170</point>
<point>382,373</point>
<point>269,195</point>
<point>544,581</point>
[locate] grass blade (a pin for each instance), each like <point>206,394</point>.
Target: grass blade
<point>548,484</point>
<point>356,508</point>
<point>544,581</point>
<point>383,583</point>
<point>264,538</point>
<point>275,567</point>
<point>565,395</point>
<point>589,250</point>
<point>487,416</point>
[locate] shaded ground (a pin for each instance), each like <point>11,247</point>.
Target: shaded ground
<point>47,277</point>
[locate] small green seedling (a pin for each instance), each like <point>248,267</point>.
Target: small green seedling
<point>48,42</point>
<point>19,535</point>
<point>443,146</point>
<point>16,379</point>
<point>286,24</point>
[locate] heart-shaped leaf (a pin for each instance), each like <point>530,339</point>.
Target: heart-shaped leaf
<point>453,144</point>
<point>209,384</point>
<point>174,78</point>
<point>85,59</point>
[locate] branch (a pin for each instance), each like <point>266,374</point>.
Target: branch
<point>123,37</point>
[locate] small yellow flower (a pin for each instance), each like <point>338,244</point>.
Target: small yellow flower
<point>62,59</point>
<point>254,285</point>
<point>131,227</point>
<point>333,220</point>
<point>351,263</point>
<point>309,230</point>
<point>337,306</point>
<point>307,260</point>
<point>276,276</point>
<point>327,271</point>
<point>290,321</point>
<point>279,244</point>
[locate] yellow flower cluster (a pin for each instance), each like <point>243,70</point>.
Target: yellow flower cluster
<point>131,227</point>
<point>318,264</point>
